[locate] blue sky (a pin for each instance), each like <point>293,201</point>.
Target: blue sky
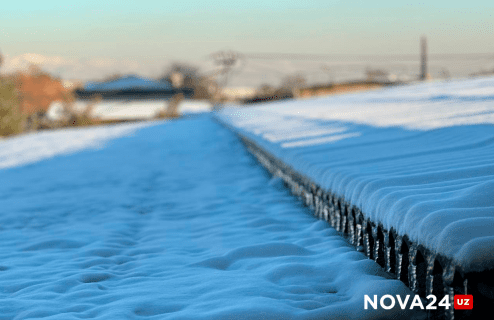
<point>191,30</point>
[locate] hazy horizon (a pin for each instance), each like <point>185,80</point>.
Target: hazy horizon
<point>91,40</point>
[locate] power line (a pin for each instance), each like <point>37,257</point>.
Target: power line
<point>322,57</point>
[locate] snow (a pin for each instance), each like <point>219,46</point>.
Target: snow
<point>176,221</point>
<point>194,106</point>
<point>128,110</point>
<point>33,147</point>
<point>56,111</point>
<point>416,158</point>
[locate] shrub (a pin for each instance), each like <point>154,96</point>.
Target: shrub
<point>11,117</point>
<point>78,119</point>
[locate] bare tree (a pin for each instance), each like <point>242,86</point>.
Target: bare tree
<point>191,78</point>
<point>293,82</point>
<point>266,89</point>
<point>190,74</point>
<point>227,61</point>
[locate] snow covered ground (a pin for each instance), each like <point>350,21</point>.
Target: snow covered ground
<point>187,107</point>
<point>127,109</point>
<point>416,158</point>
<point>176,221</point>
<point>33,147</point>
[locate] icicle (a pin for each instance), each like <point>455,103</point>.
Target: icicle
<point>332,212</point>
<point>412,277</point>
<point>429,278</point>
<point>375,254</point>
<point>310,196</point>
<point>412,268</point>
<point>317,211</point>
<point>399,256</point>
<point>326,213</point>
<point>343,217</point>
<point>448,274</point>
<point>449,314</point>
<point>399,261</point>
<point>358,237</point>
<point>387,260</point>
<point>366,240</point>
<point>351,226</point>
<point>319,206</point>
<point>337,219</point>
<point>387,252</point>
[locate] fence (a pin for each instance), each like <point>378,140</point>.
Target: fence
<point>423,271</point>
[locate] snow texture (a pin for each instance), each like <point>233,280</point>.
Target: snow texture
<point>194,106</point>
<point>128,110</point>
<point>175,222</point>
<point>416,158</point>
<point>33,147</point>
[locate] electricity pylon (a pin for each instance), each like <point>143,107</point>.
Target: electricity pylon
<point>226,61</point>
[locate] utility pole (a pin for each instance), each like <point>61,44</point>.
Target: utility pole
<point>423,58</point>
<point>226,60</point>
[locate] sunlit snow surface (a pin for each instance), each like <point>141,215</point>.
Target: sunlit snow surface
<point>416,158</point>
<point>176,221</point>
<point>36,146</point>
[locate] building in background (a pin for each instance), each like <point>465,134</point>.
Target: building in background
<point>129,87</point>
<point>129,98</point>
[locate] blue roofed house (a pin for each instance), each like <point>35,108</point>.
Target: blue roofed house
<point>128,87</point>
<point>128,98</point>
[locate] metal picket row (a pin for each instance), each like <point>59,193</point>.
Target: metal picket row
<point>422,270</point>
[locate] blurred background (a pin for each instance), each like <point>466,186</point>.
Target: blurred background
<point>76,64</point>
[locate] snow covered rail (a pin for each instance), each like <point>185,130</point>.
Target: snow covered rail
<point>423,271</point>
<point>406,173</point>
